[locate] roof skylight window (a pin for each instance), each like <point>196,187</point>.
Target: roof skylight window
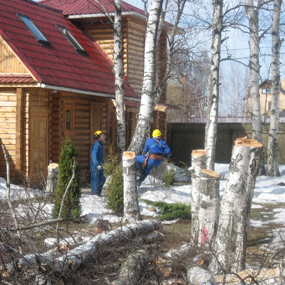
<point>71,39</point>
<point>33,29</point>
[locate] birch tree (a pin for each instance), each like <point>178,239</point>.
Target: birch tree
<point>272,160</point>
<point>151,91</point>
<point>253,18</point>
<point>212,112</point>
<point>119,79</point>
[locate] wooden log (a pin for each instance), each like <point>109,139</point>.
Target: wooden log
<point>230,247</point>
<point>131,205</point>
<point>52,178</point>
<point>252,276</point>
<point>131,268</point>
<point>199,276</point>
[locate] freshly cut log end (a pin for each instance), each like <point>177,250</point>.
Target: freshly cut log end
<point>129,154</point>
<point>210,173</point>
<point>198,152</point>
<point>248,142</point>
<point>53,166</point>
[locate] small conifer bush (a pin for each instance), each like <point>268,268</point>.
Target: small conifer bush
<point>114,185</point>
<point>168,177</point>
<point>71,209</point>
<point>170,212</point>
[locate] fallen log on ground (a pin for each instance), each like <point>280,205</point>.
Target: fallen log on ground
<point>252,276</point>
<point>131,268</point>
<point>199,276</point>
<point>76,256</point>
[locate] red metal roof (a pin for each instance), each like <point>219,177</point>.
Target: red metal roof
<point>58,64</point>
<point>82,7</point>
<point>16,78</point>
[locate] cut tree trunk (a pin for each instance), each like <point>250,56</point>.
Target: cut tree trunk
<point>52,178</point>
<point>207,185</point>
<point>131,268</point>
<point>131,204</point>
<point>79,254</point>
<point>198,162</point>
<point>199,276</point>
<point>205,200</point>
<point>230,244</point>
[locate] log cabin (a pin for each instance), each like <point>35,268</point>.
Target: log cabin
<point>56,80</point>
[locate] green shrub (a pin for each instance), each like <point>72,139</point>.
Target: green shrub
<point>171,211</point>
<point>168,177</point>
<point>114,185</point>
<point>71,209</point>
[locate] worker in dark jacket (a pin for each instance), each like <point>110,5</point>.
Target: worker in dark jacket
<point>97,172</point>
<point>155,149</point>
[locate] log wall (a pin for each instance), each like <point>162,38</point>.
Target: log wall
<point>8,106</point>
<point>16,107</point>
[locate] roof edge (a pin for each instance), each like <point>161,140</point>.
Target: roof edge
<point>43,85</point>
<point>86,16</point>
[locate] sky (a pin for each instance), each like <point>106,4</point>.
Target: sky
<point>267,192</point>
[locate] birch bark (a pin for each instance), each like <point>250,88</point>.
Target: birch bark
<point>213,100</point>
<point>131,204</point>
<point>149,80</point>
<point>198,162</point>
<point>272,159</point>
<point>252,15</point>
<point>205,200</point>
<point>230,244</point>
<point>119,79</point>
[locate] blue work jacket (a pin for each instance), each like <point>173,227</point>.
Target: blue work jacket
<point>157,146</point>
<point>97,154</point>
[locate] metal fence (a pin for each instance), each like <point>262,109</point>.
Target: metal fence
<point>182,138</point>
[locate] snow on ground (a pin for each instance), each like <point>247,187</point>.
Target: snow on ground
<point>267,191</point>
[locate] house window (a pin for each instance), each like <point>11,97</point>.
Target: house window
<point>33,29</point>
<point>71,39</point>
<point>68,119</point>
<point>269,105</point>
<point>266,90</point>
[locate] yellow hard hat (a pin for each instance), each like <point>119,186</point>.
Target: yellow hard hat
<point>156,133</point>
<point>97,133</point>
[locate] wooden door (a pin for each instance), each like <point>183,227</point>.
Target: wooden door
<point>95,122</point>
<point>38,151</point>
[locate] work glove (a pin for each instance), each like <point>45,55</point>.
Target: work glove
<point>99,167</point>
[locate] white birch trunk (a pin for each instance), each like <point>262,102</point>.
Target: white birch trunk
<point>272,158</point>
<point>213,100</point>
<point>252,15</point>
<point>199,276</point>
<point>119,78</point>
<point>205,200</point>
<point>230,245</point>
<point>209,206</point>
<point>131,268</point>
<point>198,162</point>
<point>131,204</point>
<point>149,80</point>
<point>79,254</point>
<point>52,178</point>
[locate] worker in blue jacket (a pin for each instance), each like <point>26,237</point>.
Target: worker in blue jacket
<point>155,149</point>
<point>97,172</point>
